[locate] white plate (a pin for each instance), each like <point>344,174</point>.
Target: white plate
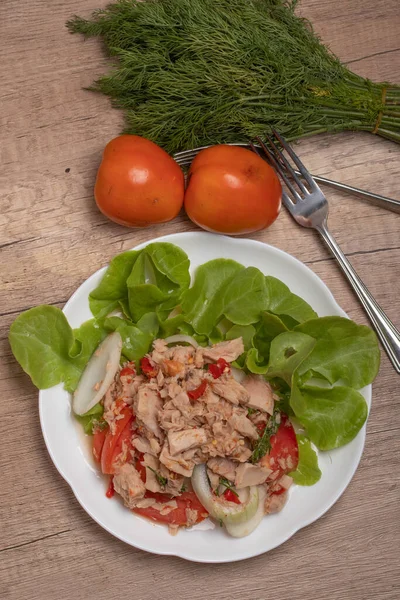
<point>70,449</point>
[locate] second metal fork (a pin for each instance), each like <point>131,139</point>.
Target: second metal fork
<point>309,207</point>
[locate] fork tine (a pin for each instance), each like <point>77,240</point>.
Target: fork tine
<point>274,159</point>
<point>295,158</point>
<point>286,165</point>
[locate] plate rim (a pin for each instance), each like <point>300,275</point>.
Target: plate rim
<point>367,392</point>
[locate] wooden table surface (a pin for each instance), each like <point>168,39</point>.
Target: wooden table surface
<point>53,237</point>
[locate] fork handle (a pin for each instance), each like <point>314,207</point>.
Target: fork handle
<point>387,332</point>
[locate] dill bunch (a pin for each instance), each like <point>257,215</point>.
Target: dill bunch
<point>193,72</point>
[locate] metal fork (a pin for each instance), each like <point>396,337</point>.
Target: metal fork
<point>309,207</point>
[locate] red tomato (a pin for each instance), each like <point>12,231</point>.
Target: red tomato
<point>138,183</point>
<point>232,190</point>
<point>99,436</point>
<point>176,516</point>
<point>284,449</point>
<point>124,438</point>
<point>111,441</point>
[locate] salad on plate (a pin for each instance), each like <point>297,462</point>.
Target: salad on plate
<point>204,398</point>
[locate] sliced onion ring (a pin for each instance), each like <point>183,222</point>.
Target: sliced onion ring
<point>238,374</point>
<point>219,508</point>
<point>240,530</point>
<point>173,339</point>
<point>98,374</point>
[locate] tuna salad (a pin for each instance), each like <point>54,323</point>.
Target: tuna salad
<point>184,439</point>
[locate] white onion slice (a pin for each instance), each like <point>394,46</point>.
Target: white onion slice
<point>240,530</point>
<point>172,339</point>
<point>238,374</point>
<point>219,508</point>
<point>98,374</point>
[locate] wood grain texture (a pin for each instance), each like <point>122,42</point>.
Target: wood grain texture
<point>53,238</point>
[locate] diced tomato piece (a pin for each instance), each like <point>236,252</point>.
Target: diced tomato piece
<point>176,516</point>
<point>124,439</point>
<point>230,496</point>
<point>218,368</point>
<point>128,370</point>
<point>111,440</point>
<point>99,435</point>
<point>284,454</point>
<point>199,391</point>
<point>148,368</point>
<point>110,490</point>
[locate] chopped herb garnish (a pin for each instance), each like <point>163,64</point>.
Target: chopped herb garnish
<point>251,411</point>
<point>263,444</point>
<point>161,480</point>
<point>223,481</point>
<point>183,489</point>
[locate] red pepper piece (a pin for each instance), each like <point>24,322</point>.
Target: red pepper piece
<point>110,489</point>
<point>148,368</point>
<point>230,496</point>
<point>218,368</point>
<point>129,370</point>
<point>199,391</point>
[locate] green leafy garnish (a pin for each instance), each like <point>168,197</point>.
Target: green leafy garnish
<point>227,484</point>
<point>161,480</point>
<point>263,444</point>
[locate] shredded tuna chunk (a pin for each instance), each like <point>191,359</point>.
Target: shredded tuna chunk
<point>147,406</point>
<point>231,390</point>
<point>229,350</point>
<point>275,503</point>
<point>223,467</point>
<point>260,394</point>
<point>179,441</point>
<point>191,517</point>
<point>247,475</point>
<point>127,483</point>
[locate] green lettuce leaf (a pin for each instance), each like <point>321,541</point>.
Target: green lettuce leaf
<point>246,332</point>
<point>157,280</point>
<point>48,350</point>
<point>266,330</point>
<point>245,297</point>
<point>344,352</point>
<point>136,339</point>
<point>89,419</point>
<point>204,303</point>
<point>281,301</point>
<point>288,351</point>
<point>112,291</point>
<point>254,362</point>
<point>308,471</point>
<point>332,416</point>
